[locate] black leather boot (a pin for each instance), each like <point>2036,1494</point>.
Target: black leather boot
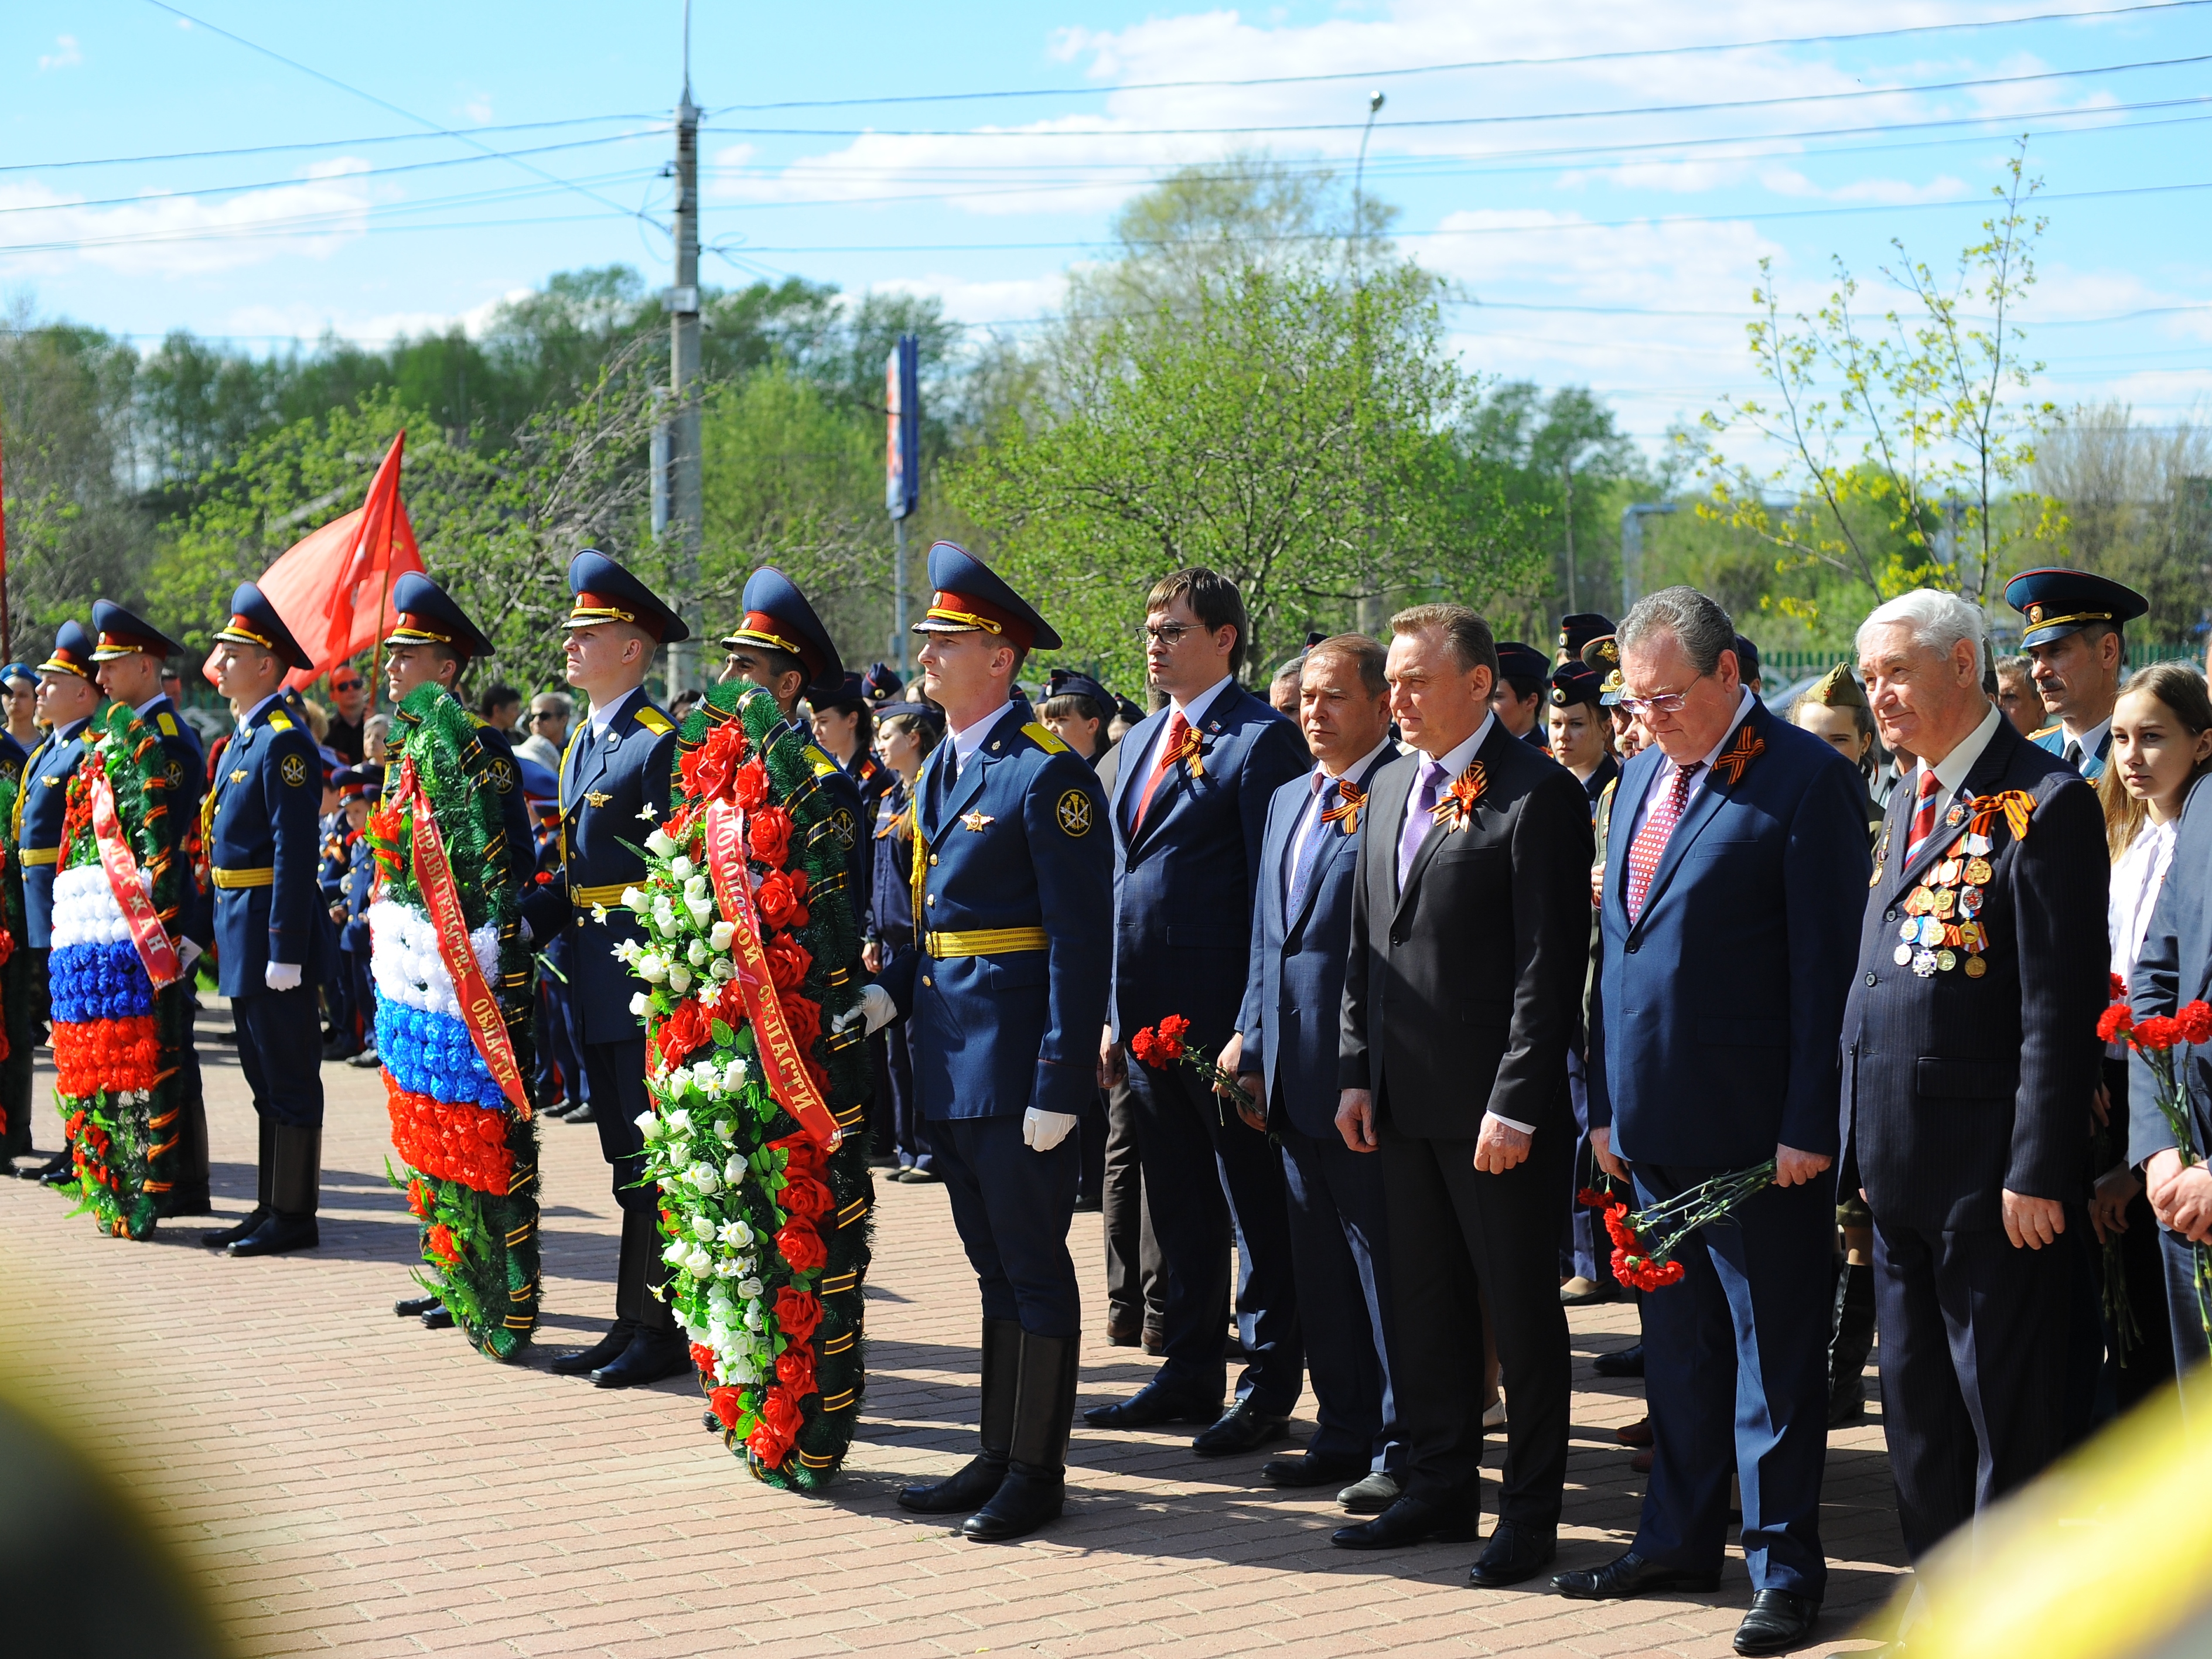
<point>414,1307</point>
<point>970,1487</point>
<point>264,1175</point>
<point>657,1349</point>
<point>1851,1338</point>
<point>637,1239</point>
<point>1036,1486</point>
<point>294,1195</point>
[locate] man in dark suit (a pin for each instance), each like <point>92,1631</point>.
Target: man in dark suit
<point>1301,930</point>
<point>1742,856</point>
<point>1189,805</point>
<point>1470,936</point>
<point>1970,1055</point>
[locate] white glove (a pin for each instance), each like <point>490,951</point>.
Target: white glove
<point>875,1006</point>
<point>1042,1131</point>
<point>281,975</point>
<point>187,954</point>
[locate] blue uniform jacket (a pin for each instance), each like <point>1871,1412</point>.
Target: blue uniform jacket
<point>604,785</point>
<point>513,806</point>
<point>360,882</point>
<point>2051,740</point>
<point>187,784</point>
<point>39,810</point>
<point>1182,886</point>
<point>1294,992</point>
<point>1018,839</point>
<point>891,897</point>
<point>1714,1020</point>
<point>264,845</point>
<point>12,755</point>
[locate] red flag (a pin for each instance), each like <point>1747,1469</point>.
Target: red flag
<point>333,585</point>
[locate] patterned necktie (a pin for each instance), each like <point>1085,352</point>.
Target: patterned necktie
<point>1650,844</point>
<point>1923,813</point>
<point>1420,817</point>
<point>1303,855</point>
<point>1178,728</point>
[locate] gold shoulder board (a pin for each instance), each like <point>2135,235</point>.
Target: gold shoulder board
<point>1042,737</point>
<point>167,722</point>
<point>279,720</point>
<point>2045,732</point>
<point>654,721</point>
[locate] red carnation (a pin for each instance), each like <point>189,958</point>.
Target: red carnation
<point>782,898</point>
<point>1144,1045</point>
<point>787,961</point>
<point>801,1246</point>
<point>794,1368</point>
<point>441,1246</point>
<point>2195,1019</point>
<point>768,833</point>
<point>806,1197</point>
<point>749,786</point>
<point>1171,1034</point>
<point>725,1402</point>
<point>2119,987</point>
<point>798,1312</point>
<point>2115,1022</point>
<point>2157,1032</point>
<point>1593,1198</point>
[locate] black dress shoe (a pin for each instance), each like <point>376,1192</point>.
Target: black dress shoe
<point>1158,1401</point>
<point>1621,1362</point>
<point>280,1235</point>
<point>1630,1575</point>
<point>1308,1468</point>
<point>230,1236</point>
<point>608,1349</point>
<point>1123,1332</point>
<point>60,1170</point>
<point>651,1356</point>
<point>438,1319</point>
<point>1779,1620</point>
<point>1411,1521</point>
<point>414,1307</point>
<point>1517,1553</point>
<point>1240,1429</point>
<point>583,1114</point>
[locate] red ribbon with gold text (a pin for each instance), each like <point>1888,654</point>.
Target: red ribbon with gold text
<point>479,1008</point>
<point>788,1077</point>
<point>146,930</point>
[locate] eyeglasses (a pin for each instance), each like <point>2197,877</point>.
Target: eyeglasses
<point>1167,633</point>
<point>1664,702</point>
<point>538,714</point>
<point>346,685</point>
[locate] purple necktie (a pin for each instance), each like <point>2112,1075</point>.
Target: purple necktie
<point>1420,817</point>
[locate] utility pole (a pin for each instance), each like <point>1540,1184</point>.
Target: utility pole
<point>1567,475</point>
<point>688,508</point>
<point>1631,548</point>
<point>1368,615</point>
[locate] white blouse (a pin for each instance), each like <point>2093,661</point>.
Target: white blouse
<point>2137,876</point>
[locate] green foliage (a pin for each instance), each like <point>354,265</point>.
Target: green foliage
<point>2138,508</point>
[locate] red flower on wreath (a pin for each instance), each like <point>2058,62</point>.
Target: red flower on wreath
<point>782,898</point>
<point>703,1358</point>
<point>780,1420</point>
<point>802,1156</point>
<point>748,784</point>
<point>708,770</point>
<point>804,1016</point>
<point>798,1313</point>
<point>418,1198</point>
<point>798,1244</point>
<point>442,1247</point>
<point>686,1028</point>
<point>794,1368</point>
<point>806,1197</point>
<point>725,1402</point>
<point>787,961</point>
<point>768,832</point>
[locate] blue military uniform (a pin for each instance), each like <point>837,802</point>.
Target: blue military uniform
<point>1005,995</point>
<point>13,751</point>
<point>616,770</point>
<point>260,828</point>
<point>2052,604</point>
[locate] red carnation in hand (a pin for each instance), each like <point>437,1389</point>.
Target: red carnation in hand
<point>1170,1037</point>
<point>801,1246</point>
<point>725,1402</point>
<point>749,786</point>
<point>1593,1198</point>
<point>768,832</point>
<point>2115,1022</point>
<point>2119,987</point>
<point>787,961</point>
<point>794,1368</point>
<point>798,1313</point>
<point>2158,1032</point>
<point>2195,1020</point>
<point>1145,1046</point>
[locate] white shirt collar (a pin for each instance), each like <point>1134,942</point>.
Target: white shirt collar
<point>1358,768</point>
<point>141,709</point>
<point>604,716</point>
<point>969,738</point>
<point>1195,710</point>
<point>1455,763</point>
<point>2090,739</point>
<point>1951,771</point>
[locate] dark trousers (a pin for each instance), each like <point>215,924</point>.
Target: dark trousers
<point>2133,1372</point>
<point>1208,1182</point>
<point>1586,1252</point>
<point>17,1140</point>
<point>2185,1316</point>
<point>1973,1355</point>
<point>1132,1254</point>
<point>280,1050</point>
<point>1341,1252</point>
<point>1090,1189</point>
<point>909,1135</point>
<point>616,1071</point>
<point>560,1058</point>
<point>1460,1238</point>
<point>1012,1206</point>
<point>1735,1367</point>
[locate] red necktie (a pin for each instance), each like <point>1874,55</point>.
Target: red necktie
<point>1178,728</point>
<point>1650,844</point>
<point>1924,814</point>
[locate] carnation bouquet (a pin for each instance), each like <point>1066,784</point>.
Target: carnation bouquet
<point>452,1022</point>
<point>1644,1242</point>
<point>756,1135</point>
<point>1168,1044</point>
<point>2157,1040</point>
<point>121,1006</point>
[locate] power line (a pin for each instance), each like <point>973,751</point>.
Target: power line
<point>316,144</point>
<point>1459,120</point>
<point>1473,63</point>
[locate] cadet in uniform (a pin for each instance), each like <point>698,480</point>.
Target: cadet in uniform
<point>617,765</point>
<point>2073,621</point>
<point>1518,702</point>
<point>68,699</point>
<point>128,659</point>
<point>1013,866</point>
<point>269,924</point>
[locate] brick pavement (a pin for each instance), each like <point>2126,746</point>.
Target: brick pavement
<point>344,1481</point>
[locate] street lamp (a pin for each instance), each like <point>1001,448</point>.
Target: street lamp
<point>1374,101</point>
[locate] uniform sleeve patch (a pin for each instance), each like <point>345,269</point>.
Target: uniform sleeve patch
<point>1042,737</point>
<point>1072,813</point>
<point>502,775</point>
<point>294,770</point>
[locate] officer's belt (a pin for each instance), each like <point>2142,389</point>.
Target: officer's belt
<point>39,855</point>
<point>986,942</point>
<point>609,894</point>
<point>264,876</point>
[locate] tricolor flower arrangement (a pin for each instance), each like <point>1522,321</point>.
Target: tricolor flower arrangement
<point>755,1137</point>
<point>453,1023</point>
<point>121,1008</point>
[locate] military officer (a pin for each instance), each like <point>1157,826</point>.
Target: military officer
<point>1518,701</point>
<point>1577,629</point>
<point>617,766</point>
<point>68,699</point>
<point>259,824</point>
<point>781,646</point>
<point>1005,995</point>
<point>2073,621</point>
<point>128,658</point>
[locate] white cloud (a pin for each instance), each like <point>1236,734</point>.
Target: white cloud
<point>69,57</point>
<point>307,323</point>
<point>478,108</point>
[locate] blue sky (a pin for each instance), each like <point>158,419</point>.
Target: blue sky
<point>1587,247</point>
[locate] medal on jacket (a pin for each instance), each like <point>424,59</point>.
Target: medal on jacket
<point>1456,810</point>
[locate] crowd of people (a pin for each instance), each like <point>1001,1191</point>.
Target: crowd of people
<point>1364,1010</point>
